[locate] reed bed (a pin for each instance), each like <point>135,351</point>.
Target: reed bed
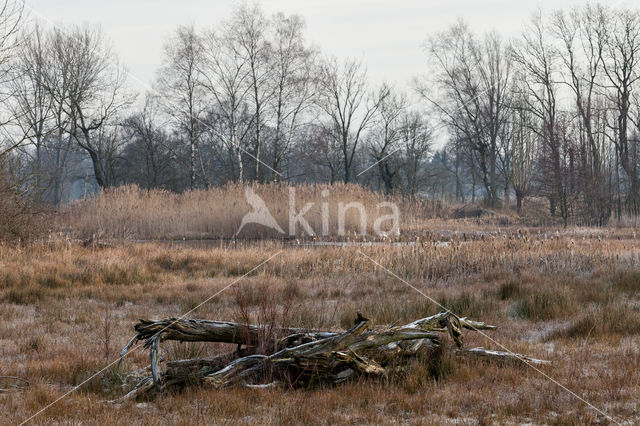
<point>129,212</point>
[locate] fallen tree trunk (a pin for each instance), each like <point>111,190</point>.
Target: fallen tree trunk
<point>194,330</point>
<point>295,356</point>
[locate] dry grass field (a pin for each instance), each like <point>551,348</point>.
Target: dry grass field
<point>569,296</point>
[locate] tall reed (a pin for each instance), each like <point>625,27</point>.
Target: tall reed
<point>129,212</point>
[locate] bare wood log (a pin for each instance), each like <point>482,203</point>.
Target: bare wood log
<point>191,369</point>
<point>446,321</point>
<point>321,358</point>
<point>238,370</point>
<point>195,330</point>
<point>299,355</point>
<point>500,356</point>
<point>143,386</point>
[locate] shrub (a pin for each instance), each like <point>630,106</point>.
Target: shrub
<point>20,215</point>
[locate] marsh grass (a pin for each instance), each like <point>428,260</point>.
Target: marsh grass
<point>545,306</point>
<point>627,282</point>
<point>612,320</point>
<point>570,297</point>
<point>129,212</point>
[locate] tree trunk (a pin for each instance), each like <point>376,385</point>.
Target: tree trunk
<point>258,135</point>
<point>192,137</point>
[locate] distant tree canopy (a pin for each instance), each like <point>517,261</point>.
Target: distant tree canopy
<point>553,113</point>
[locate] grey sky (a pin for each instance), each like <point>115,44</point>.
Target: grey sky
<point>387,34</point>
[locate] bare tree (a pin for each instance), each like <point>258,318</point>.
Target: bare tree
<point>294,84</point>
<point>320,153</point>
<point>148,157</point>
<point>386,135</point>
<point>472,78</point>
<point>10,40</point>
<point>248,28</point>
<point>94,92</point>
<point>10,22</point>
<point>349,107</point>
<point>181,84</point>
<point>523,147</point>
<point>416,144</point>
<point>31,104</point>
<point>582,39</point>
<point>537,62</point>
<point>226,75</point>
<point>621,65</point>
<point>58,84</point>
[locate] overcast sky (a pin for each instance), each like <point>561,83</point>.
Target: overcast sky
<point>386,34</point>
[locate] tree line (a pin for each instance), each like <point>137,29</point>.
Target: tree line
<point>553,113</point>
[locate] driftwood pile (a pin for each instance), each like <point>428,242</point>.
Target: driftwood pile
<point>295,356</point>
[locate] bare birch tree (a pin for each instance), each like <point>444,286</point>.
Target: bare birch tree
<point>248,29</point>
<point>294,84</point>
<point>226,75</point>
<point>181,84</point>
